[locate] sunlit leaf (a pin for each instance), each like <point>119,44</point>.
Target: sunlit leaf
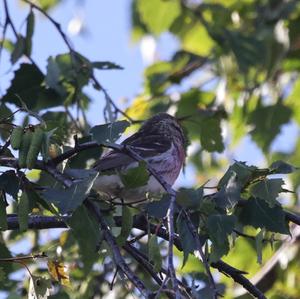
<point>165,13</point>
<point>58,272</point>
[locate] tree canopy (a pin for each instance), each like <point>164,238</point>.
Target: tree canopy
<point>233,79</point>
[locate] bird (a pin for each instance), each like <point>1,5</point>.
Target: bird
<point>160,141</point>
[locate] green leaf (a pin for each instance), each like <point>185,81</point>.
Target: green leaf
<point>88,236</point>
<point>69,199</point>
<point>108,133</point>
<point>219,227</point>
<point>39,287</point>
<point>154,253</point>
<point>230,194</point>
<point>259,214</point>
<point>242,171</point>
<point>268,190</point>
<point>3,215</point>
<point>5,253</point>
<point>82,159</point>
<point>9,182</point>
<point>127,222</point>
<point>259,245</point>
<point>135,177</point>
<point>106,65</point>
<point>23,211</point>
<point>190,198</point>
<point>19,49</point>
<point>204,124</point>
<point>191,38</point>
<point>267,122</point>
<point>282,167</point>
<point>186,237</point>
<point>158,209</point>
<point>2,274</point>
<point>248,50</point>
<point>53,77</point>
<point>158,15</point>
<point>27,86</point>
<point>29,33</point>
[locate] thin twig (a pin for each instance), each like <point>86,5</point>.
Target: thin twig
<point>118,259</point>
<point>200,254</point>
<point>140,222</point>
<point>48,167</point>
<point>170,215</point>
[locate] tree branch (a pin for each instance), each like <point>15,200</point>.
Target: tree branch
<point>140,222</point>
<point>119,260</point>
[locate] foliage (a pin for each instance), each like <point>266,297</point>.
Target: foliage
<point>249,52</point>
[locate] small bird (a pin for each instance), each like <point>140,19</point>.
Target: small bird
<point>161,143</point>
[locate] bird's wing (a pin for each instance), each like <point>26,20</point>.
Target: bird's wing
<point>145,146</point>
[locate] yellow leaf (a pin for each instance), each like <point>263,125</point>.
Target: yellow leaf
<point>139,108</point>
<point>58,272</point>
<point>197,40</point>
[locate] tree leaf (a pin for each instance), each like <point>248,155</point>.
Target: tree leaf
<point>9,182</point>
<point>158,209</point>
<point>243,173</point>
<point>108,133</point>
<point>190,198</point>
<point>154,253</point>
<point>259,245</point>
<point>58,272</point>
<point>3,215</point>
<point>259,214</point>
<point>230,194</point>
<point>135,177</point>
<point>88,236</point>
<point>84,158</point>
<point>27,86</point>
<point>68,199</point>
<point>165,13</point>
<point>39,287</point>
<point>267,189</point>
<point>186,237</point>
<point>29,33</point>
<point>19,49</point>
<point>106,65</point>
<point>23,211</point>
<point>127,222</point>
<point>282,167</point>
<point>219,227</point>
<point>267,122</point>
